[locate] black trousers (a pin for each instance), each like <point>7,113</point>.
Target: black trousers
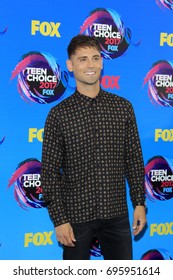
<point>114,237</point>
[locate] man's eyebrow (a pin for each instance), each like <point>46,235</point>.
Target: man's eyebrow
<point>85,56</point>
<point>96,55</point>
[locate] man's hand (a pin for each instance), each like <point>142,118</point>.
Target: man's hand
<point>139,219</point>
<point>65,235</point>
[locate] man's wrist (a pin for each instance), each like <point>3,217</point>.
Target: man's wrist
<point>141,204</point>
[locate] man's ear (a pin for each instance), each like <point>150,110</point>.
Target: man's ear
<point>102,63</point>
<point>69,65</point>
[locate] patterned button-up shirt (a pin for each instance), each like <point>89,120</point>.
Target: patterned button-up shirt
<point>90,147</point>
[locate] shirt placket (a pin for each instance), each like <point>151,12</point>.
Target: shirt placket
<point>96,154</point>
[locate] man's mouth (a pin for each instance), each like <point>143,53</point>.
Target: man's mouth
<point>90,72</point>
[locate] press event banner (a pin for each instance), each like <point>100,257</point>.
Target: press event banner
<point>136,38</point>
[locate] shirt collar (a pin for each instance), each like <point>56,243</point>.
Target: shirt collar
<point>86,100</point>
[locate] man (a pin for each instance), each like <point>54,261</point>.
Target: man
<point>91,145</point>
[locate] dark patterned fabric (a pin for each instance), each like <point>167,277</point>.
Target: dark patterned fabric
<point>90,147</point>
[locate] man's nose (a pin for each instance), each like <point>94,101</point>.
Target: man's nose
<point>90,63</point>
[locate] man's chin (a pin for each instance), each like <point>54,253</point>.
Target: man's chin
<point>91,83</point>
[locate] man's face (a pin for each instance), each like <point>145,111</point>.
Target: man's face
<point>86,64</point>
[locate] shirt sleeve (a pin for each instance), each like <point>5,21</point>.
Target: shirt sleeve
<point>51,179</point>
<point>134,160</point>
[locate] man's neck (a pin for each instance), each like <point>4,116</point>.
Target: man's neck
<point>90,91</point>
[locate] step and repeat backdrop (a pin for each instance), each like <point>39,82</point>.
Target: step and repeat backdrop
<point>136,38</point>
